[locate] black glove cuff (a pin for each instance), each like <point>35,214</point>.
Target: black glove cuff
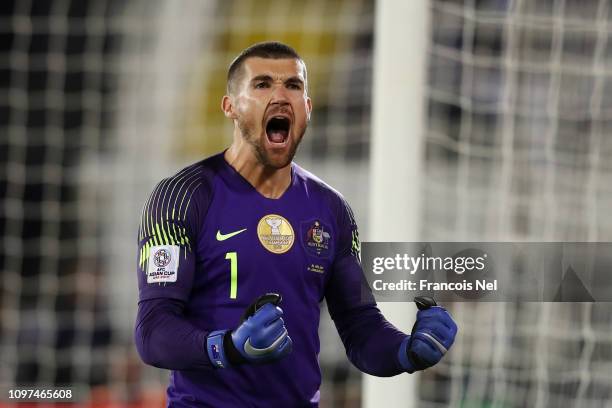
<point>232,354</point>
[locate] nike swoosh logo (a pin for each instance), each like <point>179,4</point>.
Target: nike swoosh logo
<point>223,237</point>
<point>257,352</point>
<point>435,341</point>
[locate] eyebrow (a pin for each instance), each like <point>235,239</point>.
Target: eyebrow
<point>268,78</point>
<point>261,78</point>
<point>295,79</point>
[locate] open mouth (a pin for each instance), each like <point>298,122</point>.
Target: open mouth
<point>277,129</point>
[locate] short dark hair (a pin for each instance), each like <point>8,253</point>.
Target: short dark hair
<point>268,49</point>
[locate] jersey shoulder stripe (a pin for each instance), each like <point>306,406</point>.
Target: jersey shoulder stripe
<point>172,213</point>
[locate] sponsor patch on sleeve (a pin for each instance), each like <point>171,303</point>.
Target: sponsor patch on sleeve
<point>163,264</point>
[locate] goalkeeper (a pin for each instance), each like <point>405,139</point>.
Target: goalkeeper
<point>237,251</point>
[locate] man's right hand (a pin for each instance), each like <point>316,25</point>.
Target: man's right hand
<point>261,337</point>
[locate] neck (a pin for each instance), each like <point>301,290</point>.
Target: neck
<point>268,181</point>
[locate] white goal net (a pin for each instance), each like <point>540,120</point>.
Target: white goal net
<point>517,145</point>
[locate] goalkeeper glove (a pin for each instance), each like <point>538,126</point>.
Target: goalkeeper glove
<point>260,338</point>
<point>432,335</point>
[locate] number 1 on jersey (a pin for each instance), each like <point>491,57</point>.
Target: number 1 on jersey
<point>233,258</point>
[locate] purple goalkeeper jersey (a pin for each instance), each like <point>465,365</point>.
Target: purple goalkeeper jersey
<point>211,244</point>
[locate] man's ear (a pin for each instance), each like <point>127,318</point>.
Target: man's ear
<point>308,107</point>
<point>227,106</point>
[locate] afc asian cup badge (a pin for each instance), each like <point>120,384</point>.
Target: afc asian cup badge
<point>275,233</point>
<point>163,263</point>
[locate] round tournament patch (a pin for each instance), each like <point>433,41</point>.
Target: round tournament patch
<point>162,258</point>
<point>275,233</point>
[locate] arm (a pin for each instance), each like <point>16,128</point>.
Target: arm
<point>166,266</point>
<point>373,344</point>
<point>165,339</point>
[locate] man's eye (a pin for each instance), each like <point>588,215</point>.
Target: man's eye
<point>294,86</point>
<point>261,85</point>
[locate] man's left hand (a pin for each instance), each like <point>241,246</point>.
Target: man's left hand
<point>432,335</point>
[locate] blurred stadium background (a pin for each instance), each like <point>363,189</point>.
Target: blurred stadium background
<point>99,99</point>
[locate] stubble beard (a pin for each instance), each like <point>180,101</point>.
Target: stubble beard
<point>248,133</point>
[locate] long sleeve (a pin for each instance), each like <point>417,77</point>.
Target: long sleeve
<point>371,342</point>
<point>170,223</point>
<point>166,339</point>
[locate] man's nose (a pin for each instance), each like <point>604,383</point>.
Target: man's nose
<point>279,95</point>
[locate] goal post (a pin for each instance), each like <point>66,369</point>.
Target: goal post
<point>398,125</point>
